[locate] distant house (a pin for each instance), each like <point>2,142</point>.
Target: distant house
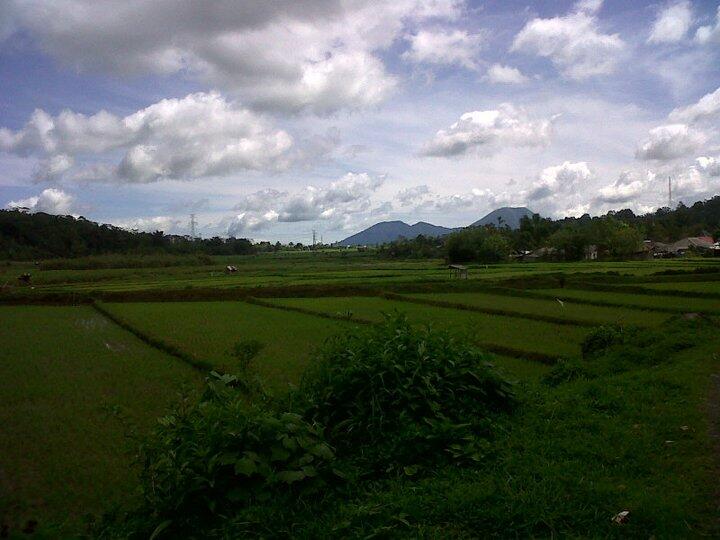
<point>657,249</point>
<point>701,244</point>
<point>692,243</point>
<point>643,251</point>
<point>591,252</point>
<point>520,255</point>
<point>541,254</point>
<point>458,271</point>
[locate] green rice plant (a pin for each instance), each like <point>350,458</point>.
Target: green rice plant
<point>506,335</point>
<point>548,308</point>
<point>73,387</point>
<point>711,288</point>
<point>667,304</point>
<point>395,396</point>
<point>208,331</point>
<point>152,341</point>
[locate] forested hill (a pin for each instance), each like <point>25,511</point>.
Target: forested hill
<point>665,225</point>
<point>26,236</point>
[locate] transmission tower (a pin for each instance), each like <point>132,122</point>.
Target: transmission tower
<point>193,225</point>
<point>314,237</point>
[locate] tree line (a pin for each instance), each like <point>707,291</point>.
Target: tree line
<point>25,236</point>
<point>616,235</point>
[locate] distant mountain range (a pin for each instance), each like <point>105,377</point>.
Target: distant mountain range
<point>388,231</point>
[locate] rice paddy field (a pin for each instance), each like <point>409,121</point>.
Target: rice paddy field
<point>73,387</point>
<point>656,301</point>
<point>697,287</point>
<point>91,356</point>
<point>531,337</point>
<point>208,331</point>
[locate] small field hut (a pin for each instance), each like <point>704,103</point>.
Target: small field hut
<point>458,271</point>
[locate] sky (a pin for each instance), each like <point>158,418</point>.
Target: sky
<point>268,120</point>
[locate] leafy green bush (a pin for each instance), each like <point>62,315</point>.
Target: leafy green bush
<point>393,397</point>
<point>245,351</point>
<point>604,337</point>
<point>214,458</point>
<point>609,350</point>
<point>564,371</point>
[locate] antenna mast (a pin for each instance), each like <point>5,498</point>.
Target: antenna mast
<point>314,237</point>
<point>670,192</point>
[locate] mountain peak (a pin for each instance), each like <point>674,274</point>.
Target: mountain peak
<point>388,231</point>
<point>507,215</point>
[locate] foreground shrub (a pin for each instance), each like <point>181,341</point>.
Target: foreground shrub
<point>212,459</point>
<point>245,352</point>
<point>393,396</point>
<point>564,371</point>
<point>609,350</point>
<point>604,337</point>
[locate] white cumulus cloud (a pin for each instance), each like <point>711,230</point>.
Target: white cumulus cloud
<point>250,222</point>
<point>260,200</point>
<point>574,43</point>
<point>446,47</point>
<point>166,224</point>
<point>626,188</point>
<point>706,107</point>
<point>672,141</point>
<point>672,23</point>
<point>567,179</point>
<point>412,195</point>
<point>499,74</point>
<point>53,167</point>
<point>50,201</point>
<point>709,165</point>
<point>318,55</point>
<point>709,33</point>
<point>475,199</point>
<point>349,195</point>
<point>197,136</point>
<point>489,131</point>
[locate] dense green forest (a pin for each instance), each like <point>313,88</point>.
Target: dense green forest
<point>38,236</point>
<point>25,236</point>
